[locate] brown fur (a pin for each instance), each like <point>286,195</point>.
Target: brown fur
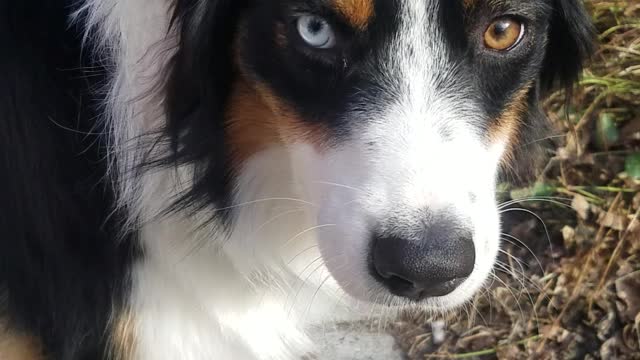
<point>122,337</point>
<point>469,4</point>
<point>281,35</point>
<point>357,12</point>
<point>507,126</point>
<point>257,118</point>
<point>17,346</point>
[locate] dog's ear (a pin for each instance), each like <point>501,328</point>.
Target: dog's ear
<point>199,74</point>
<point>199,81</point>
<point>570,44</point>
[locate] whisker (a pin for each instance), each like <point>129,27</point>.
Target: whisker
<point>269,221</point>
<point>510,239</point>
<point>306,231</point>
<point>253,202</point>
<point>548,199</point>
<point>506,286</point>
<point>303,282</point>
<point>313,298</point>
<point>544,139</point>
<point>520,276</point>
<point>300,253</point>
<point>529,296</point>
<point>544,225</point>
<point>339,185</point>
<point>477,311</point>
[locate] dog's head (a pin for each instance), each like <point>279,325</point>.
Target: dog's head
<point>391,119</point>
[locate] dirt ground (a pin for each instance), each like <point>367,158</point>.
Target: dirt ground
<point>568,282</point>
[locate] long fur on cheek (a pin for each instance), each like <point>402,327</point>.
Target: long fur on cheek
<point>134,40</point>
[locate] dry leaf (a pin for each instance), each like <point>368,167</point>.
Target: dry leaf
<point>628,291</point>
<point>581,206</point>
<point>613,221</point>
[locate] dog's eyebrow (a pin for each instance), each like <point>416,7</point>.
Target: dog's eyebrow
<point>469,4</point>
<point>357,12</point>
<point>525,8</point>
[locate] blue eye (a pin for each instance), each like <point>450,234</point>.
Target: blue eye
<point>316,32</point>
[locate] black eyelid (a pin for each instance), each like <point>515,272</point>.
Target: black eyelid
<point>509,16</point>
<point>336,21</point>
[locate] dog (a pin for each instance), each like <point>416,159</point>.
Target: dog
<point>207,179</point>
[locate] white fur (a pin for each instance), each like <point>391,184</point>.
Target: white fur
<point>300,218</point>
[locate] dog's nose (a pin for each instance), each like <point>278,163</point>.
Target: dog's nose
<point>432,264</point>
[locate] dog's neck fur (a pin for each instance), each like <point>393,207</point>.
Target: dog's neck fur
<point>212,298</point>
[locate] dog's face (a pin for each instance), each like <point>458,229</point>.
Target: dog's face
<point>393,119</point>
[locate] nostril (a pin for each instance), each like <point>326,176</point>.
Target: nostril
<point>443,288</point>
<point>402,287</point>
<point>390,277</point>
<point>416,291</point>
<point>399,283</point>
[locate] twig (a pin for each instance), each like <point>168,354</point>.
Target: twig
<point>617,251</point>
<point>583,272</point>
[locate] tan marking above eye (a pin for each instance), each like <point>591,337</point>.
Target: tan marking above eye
<point>18,346</point>
<point>503,34</point>
<point>357,12</point>
<point>469,4</point>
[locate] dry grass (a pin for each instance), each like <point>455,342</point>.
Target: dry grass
<point>569,289</point>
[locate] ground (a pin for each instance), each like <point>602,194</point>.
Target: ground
<point>355,341</point>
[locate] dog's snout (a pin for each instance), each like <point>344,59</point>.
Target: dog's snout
<point>432,264</point>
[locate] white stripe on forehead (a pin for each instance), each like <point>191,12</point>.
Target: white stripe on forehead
<point>419,64</point>
<point>428,136</point>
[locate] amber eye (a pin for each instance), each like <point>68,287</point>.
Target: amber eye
<point>503,34</point>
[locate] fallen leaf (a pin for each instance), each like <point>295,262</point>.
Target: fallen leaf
<point>628,291</point>
<point>613,221</point>
<point>581,206</point>
<point>569,236</point>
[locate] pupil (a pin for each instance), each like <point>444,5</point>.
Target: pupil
<point>315,26</point>
<point>501,28</point>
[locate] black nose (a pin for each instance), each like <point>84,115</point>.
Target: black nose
<point>434,263</point>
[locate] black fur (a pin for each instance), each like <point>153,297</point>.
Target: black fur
<point>571,43</point>
<point>60,267</point>
<point>198,86</point>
